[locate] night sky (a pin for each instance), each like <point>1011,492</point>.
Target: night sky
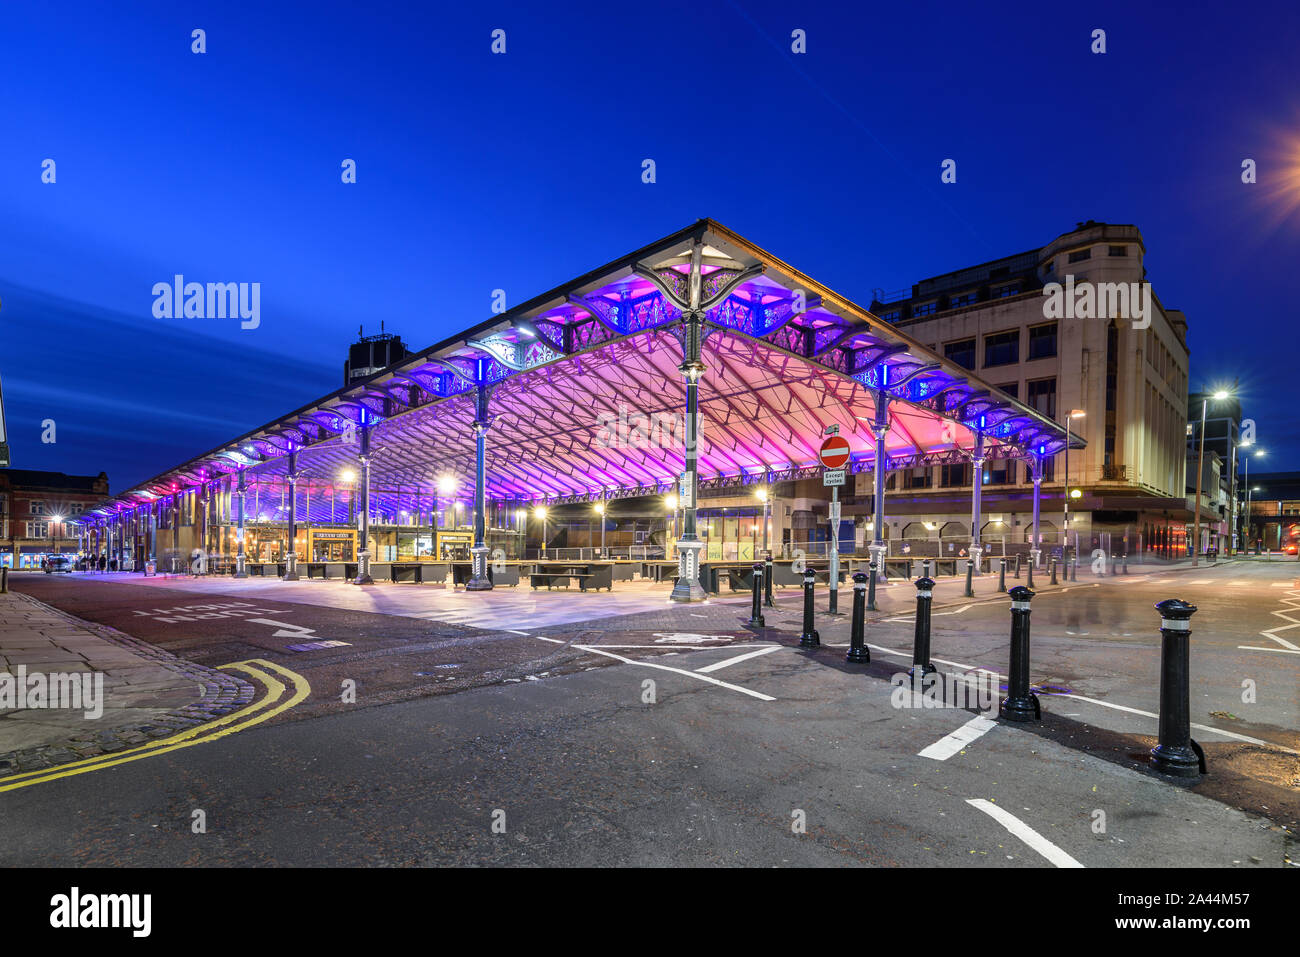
<point>520,171</point>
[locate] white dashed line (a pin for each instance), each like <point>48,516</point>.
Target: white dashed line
<point>717,666</point>
<point>1026,833</point>
<point>949,745</point>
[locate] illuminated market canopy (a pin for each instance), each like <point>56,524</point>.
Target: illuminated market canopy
<point>578,379</point>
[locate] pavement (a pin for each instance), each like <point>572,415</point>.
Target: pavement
<point>129,691</point>
<point>679,735</point>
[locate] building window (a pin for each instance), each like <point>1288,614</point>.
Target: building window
<point>1049,267</point>
<point>892,316</point>
<point>916,478</point>
<point>961,352</point>
<point>1042,341</point>
<point>38,529</point>
<point>1119,250</point>
<point>1079,255</point>
<point>1002,348</point>
<point>965,299</point>
<point>924,309</point>
<point>1010,290</point>
<point>1000,472</point>
<point>38,508</point>
<point>75,509</point>
<point>956,476</point>
<point>1012,389</point>
<point>1040,394</point>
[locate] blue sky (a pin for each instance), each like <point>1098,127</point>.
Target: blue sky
<point>478,172</point>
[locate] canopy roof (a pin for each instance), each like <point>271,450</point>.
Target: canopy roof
<point>587,400</point>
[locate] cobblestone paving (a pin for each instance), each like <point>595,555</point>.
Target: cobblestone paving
<point>148,693</point>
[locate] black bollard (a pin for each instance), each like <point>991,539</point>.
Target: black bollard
<point>1020,703</point>
<point>809,638</point>
<point>1126,563</point>
<point>1053,580</point>
<point>921,637</point>
<point>1074,569</point>
<point>1177,753</point>
<point>767,581</point>
<point>1029,573</point>
<point>970,589</point>
<point>858,653</point>
<point>4,581</point>
<point>1017,575</point>
<point>756,606</point>
<point>871,595</point>
<point>1002,576</point>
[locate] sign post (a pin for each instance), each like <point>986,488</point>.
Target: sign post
<point>834,457</point>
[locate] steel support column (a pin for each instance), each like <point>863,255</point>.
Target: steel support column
<point>479,580</point>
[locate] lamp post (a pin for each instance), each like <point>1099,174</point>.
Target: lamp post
<point>670,502</point>
<point>764,496</point>
<point>54,522</point>
<point>1245,522</point>
<point>540,512</point>
<point>600,510</point>
<point>1200,468</point>
<point>1065,525</point>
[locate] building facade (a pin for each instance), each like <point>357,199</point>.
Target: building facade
<point>1075,331</point>
<point>39,513</point>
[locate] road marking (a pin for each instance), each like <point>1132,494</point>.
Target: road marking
<point>1026,833</point>
<point>717,666</point>
<point>950,744</point>
<point>1291,600</point>
<point>513,632</point>
<point>935,614</point>
<point>1105,704</point>
<point>269,706</point>
<point>1284,651</point>
<point>680,671</point>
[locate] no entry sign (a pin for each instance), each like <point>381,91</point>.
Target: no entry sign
<point>834,453</point>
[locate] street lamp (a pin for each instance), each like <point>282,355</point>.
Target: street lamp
<point>540,512</point>
<point>765,497</point>
<point>1065,526</point>
<point>1218,396</point>
<point>54,521</point>
<point>600,510</point>
<point>1246,517</point>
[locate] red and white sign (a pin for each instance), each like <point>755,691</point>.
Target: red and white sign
<point>834,453</point>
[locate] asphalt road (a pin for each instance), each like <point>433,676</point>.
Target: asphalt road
<point>771,755</point>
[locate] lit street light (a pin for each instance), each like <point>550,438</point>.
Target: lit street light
<point>1218,396</point>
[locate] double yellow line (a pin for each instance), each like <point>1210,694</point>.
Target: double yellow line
<point>278,698</point>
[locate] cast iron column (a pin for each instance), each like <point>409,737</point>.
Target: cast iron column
<point>977,483</point>
<point>688,586</point>
<point>291,556</point>
<point>239,528</point>
<point>880,429</point>
<point>1036,466</point>
<point>363,516</point>
<point>479,580</point>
